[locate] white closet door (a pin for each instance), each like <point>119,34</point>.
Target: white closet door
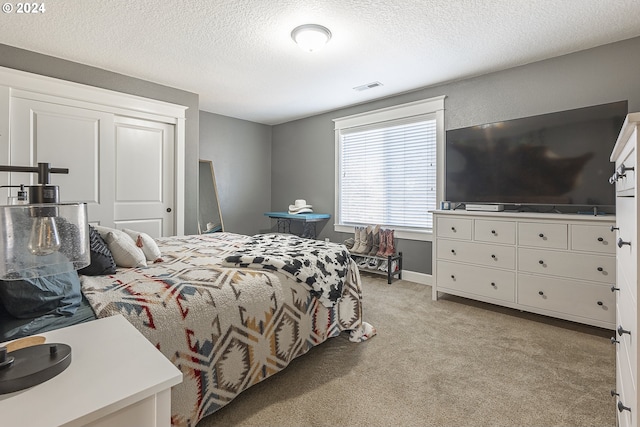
<point>66,137</point>
<point>144,176</point>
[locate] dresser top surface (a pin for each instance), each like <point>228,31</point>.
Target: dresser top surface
<point>515,216</point>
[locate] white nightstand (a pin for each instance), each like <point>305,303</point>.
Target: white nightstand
<point>116,378</point>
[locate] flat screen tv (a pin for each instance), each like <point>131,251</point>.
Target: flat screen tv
<point>558,160</point>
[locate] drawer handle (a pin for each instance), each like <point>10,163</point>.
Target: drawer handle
<point>493,284</point>
<point>621,407</point>
<point>613,288</point>
<point>613,393</point>
<point>453,229</point>
<point>541,262</point>
<point>614,341</point>
<point>622,169</point>
<point>453,251</point>
<point>621,242</point>
<point>493,256</point>
<point>600,239</point>
<point>541,235</point>
<point>600,269</point>
<point>493,232</point>
<point>600,303</point>
<point>453,277</point>
<point>614,228</point>
<point>621,331</point>
<point>540,293</point>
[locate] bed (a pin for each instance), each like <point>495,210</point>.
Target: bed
<point>230,310</point>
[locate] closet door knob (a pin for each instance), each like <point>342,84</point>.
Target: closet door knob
<point>621,407</point>
<point>613,288</point>
<point>614,228</point>
<point>613,393</point>
<point>621,242</point>
<point>614,341</point>
<point>623,331</point>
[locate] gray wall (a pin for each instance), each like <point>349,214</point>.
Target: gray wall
<point>303,162</point>
<point>241,156</point>
<point>19,59</point>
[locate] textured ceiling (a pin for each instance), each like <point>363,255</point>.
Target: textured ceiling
<point>239,56</point>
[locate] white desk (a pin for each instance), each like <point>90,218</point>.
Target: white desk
<point>116,378</point>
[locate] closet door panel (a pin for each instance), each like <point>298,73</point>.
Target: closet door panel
<point>144,174</point>
<point>66,137</point>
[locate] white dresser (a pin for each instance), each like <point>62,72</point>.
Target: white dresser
<point>626,337</point>
<point>116,378</point>
<point>559,265</point>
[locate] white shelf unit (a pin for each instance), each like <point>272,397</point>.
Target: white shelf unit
<point>625,152</point>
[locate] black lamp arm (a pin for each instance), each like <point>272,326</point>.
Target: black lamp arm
<point>44,171</point>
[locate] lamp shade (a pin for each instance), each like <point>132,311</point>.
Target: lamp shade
<point>40,240</point>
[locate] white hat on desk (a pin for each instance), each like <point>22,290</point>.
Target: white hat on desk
<point>300,206</point>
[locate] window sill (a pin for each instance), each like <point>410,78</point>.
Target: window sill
<point>420,235</point>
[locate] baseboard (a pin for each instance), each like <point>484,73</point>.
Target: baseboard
<point>414,276</point>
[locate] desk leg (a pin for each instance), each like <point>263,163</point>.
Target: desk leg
<point>309,230</point>
<point>284,225</point>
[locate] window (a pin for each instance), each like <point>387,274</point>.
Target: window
<point>388,168</point>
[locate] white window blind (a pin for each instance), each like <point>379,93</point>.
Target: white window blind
<point>388,173</point>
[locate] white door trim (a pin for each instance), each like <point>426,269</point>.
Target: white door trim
<point>21,84</point>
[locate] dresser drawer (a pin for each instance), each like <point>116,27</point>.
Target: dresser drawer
<point>627,254</point>
<point>486,282</point>
<point>455,228</point>
<point>495,231</point>
<point>598,268</point>
<point>626,316</point>
<point>627,181</point>
<point>573,297</point>
<point>593,238</point>
<point>625,389</point>
<point>477,253</point>
<point>542,235</point>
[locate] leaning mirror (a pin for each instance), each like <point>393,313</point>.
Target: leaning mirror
<point>209,215</point>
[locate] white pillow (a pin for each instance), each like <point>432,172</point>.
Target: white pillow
<point>124,250</point>
<point>146,243</point>
<point>103,231</point>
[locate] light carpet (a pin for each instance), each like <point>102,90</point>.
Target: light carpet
<point>451,362</point>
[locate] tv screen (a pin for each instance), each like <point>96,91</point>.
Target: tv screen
<point>554,159</point>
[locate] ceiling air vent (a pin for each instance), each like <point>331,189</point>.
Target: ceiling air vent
<point>367,86</point>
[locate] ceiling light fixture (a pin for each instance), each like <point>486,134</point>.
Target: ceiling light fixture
<point>311,37</point>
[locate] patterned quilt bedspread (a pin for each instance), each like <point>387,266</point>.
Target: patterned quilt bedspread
<point>225,328</point>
